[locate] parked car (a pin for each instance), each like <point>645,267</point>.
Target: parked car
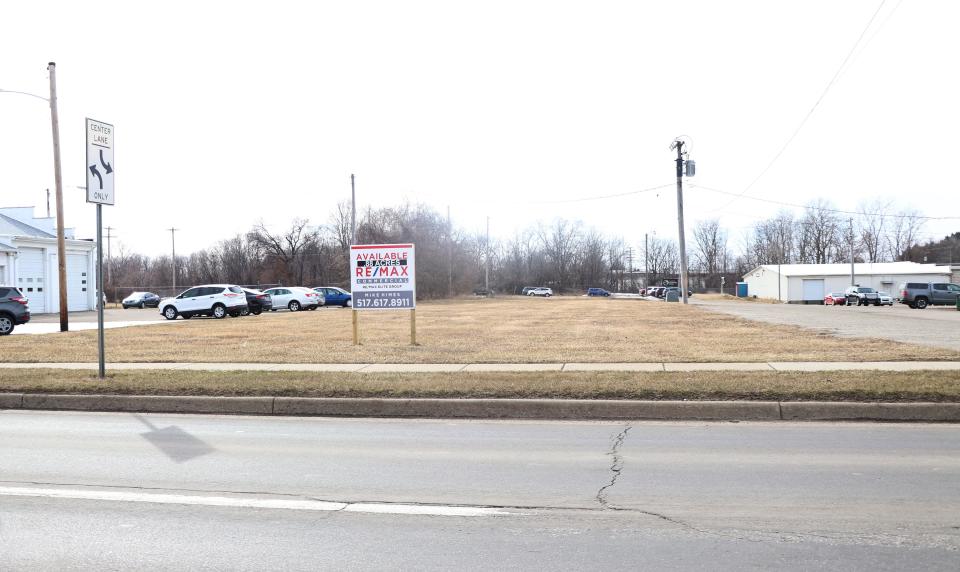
<point>597,292</point>
<point>667,289</point>
<point>885,299</point>
<point>655,291</point>
<point>141,300</point>
<point>861,296</point>
<point>541,291</point>
<point>333,296</point>
<point>14,309</point>
<point>526,290</point>
<point>294,298</point>
<point>257,302</point>
<point>217,300</point>
<point>835,299</point>
<point>923,294</point>
<point>482,292</point>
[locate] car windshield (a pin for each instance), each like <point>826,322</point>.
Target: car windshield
<point>867,290</point>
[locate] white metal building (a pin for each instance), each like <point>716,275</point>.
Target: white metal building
<point>809,283</point>
<point>28,260</point>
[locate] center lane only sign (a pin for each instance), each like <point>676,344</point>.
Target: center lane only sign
<point>382,277</point>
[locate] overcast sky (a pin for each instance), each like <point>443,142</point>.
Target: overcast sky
<point>226,113</point>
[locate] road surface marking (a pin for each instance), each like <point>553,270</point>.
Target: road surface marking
<point>238,502</point>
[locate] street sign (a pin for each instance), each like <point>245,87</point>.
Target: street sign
<point>382,277</point>
<point>99,162</point>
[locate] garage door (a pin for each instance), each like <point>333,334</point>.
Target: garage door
<point>813,290</point>
<point>30,278</point>
<point>78,283</point>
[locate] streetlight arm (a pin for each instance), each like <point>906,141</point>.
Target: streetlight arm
<point>24,93</point>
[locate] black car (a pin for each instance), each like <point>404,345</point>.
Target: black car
<point>257,302</point>
<point>141,300</point>
<point>13,309</point>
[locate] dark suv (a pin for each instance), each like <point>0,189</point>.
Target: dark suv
<point>923,294</point>
<point>13,309</point>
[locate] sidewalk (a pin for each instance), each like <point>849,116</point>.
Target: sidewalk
<point>508,367</point>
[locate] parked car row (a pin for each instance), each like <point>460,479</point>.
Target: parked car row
<point>661,291</point>
<point>858,296</point>
<point>221,300</point>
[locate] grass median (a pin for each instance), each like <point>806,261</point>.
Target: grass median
<point>785,386</point>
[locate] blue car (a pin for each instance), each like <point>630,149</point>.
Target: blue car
<point>597,292</point>
<point>334,296</point>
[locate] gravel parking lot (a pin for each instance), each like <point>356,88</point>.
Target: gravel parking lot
<point>935,326</point>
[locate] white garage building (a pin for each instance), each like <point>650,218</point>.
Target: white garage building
<point>809,283</point>
<point>28,260</point>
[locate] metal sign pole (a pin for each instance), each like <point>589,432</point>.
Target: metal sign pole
<point>102,365</point>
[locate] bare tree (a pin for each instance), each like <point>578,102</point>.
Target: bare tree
<point>710,241</point>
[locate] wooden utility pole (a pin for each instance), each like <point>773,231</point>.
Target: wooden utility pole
<point>853,276</point>
<point>173,261</point>
<point>646,260</point>
<point>58,179</point>
<point>353,211</point>
<point>449,254</point>
<point>683,245</point>
<point>486,272</point>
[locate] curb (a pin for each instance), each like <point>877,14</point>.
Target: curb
<point>541,409</point>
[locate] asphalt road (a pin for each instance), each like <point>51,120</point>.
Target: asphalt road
<point>936,326</point>
<point>122,491</point>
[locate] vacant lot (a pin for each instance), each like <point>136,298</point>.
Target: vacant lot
<point>503,330</point>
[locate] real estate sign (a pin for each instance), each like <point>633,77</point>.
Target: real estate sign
<point>382,277</point>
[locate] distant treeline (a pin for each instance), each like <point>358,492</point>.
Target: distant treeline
<point>562,254</point>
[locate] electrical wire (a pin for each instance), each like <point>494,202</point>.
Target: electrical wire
<point>809,113</point>
<point>597,198</point>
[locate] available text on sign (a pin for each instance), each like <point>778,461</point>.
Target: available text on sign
<point>382,277</point>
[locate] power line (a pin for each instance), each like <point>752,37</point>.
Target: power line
<point>600,197</point>
<point>809,113</point>
<point>840,211</point>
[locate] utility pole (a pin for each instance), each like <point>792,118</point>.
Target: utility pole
<point>48,203</point>
<point>646,260</point>
<point>684,278</point>
<point>58,179</point>
<point>449,254</point>
<point>630,265</point>
<point>173,265</point>
<point>353,211</point>
<point>852,274</point>
<point>486,272</point>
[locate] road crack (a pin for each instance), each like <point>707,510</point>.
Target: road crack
<point>616,466</point>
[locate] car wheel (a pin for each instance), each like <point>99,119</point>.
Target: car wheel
<point>6,325</point>
<point>346,304</point>
<point>170,313</point>
<point>294,306</point>
<point>219,311</point>
<point>187,316</point>
<point>256,312</point>
<point>245,312</point>
<point>921,303</point>
<point>312,308</point>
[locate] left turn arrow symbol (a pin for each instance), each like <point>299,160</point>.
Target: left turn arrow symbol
<point>96,173</point>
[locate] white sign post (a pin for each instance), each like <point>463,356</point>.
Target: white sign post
<point>100,191</point>
<point>383,277</point>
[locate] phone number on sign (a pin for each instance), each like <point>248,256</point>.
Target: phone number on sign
<point>384,303</point>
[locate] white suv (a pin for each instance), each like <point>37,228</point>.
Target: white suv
<point>215,300</point>
<point>295,298</point>
<point>541,291</point>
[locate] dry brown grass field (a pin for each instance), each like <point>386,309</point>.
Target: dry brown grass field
<point>470,330</point>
